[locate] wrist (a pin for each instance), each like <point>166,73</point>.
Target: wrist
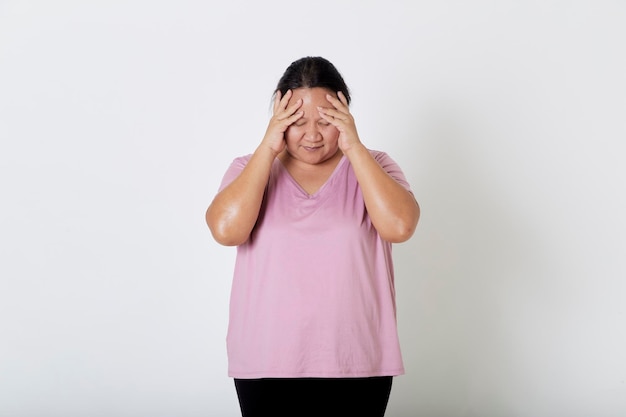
<point>354,149</point>
<point>267,152</point>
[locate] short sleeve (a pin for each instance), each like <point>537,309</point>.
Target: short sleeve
<point>234,170</point>
<point>392,168</point>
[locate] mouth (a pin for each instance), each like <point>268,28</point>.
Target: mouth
<point>312,148</point>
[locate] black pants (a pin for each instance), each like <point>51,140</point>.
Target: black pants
<point>319,397</point>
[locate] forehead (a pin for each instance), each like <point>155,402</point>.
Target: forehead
<point>311,96</point>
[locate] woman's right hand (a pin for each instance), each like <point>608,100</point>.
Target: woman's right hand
<point>235,209</point>
<point>284,116</point>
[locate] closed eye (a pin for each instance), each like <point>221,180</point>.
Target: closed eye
<point>302,122</point>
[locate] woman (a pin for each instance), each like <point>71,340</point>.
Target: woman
<point>313,214</point>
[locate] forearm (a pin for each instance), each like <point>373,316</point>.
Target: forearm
<point>392,209</point>
<point>234,210</point>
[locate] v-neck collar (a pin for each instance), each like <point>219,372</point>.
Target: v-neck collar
<point>322,187</point>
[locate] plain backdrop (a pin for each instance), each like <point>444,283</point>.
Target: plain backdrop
<point>119,118</point>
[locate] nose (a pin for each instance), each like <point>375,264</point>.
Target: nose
<point>312,133</point>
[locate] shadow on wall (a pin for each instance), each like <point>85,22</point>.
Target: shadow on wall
<point>458,279</point>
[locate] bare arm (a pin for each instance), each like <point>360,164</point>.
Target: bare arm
<point>234,210</point>
<point>232,214</point>
<point>393,210</point>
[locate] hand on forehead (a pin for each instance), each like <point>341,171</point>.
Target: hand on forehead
<point>312,98</point>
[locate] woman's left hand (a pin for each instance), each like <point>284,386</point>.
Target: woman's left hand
<point>340,117</point>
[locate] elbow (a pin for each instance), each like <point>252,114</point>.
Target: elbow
<point>403,228</point>
<point>225,237</point>
<point>222,232</point>
<point>399,234</point>
<point>227,240</point>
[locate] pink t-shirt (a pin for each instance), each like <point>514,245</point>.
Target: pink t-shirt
<point>313,287</point>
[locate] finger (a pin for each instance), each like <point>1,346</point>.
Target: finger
<point>338,104</point>
<point>277,98</point>
<point>289,111</point>
<point>328,118</point>
<point>281,101</point>
<point>285,99</point>
<point>334,114</point>
<point>294,117</point>
<point>342,98</point>
<point>339,124</point>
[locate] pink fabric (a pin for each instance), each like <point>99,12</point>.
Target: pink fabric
<point>313,288</point>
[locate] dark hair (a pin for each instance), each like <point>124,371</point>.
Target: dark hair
<point>311,72</point>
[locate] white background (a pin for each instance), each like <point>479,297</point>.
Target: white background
<point>119,118</point>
